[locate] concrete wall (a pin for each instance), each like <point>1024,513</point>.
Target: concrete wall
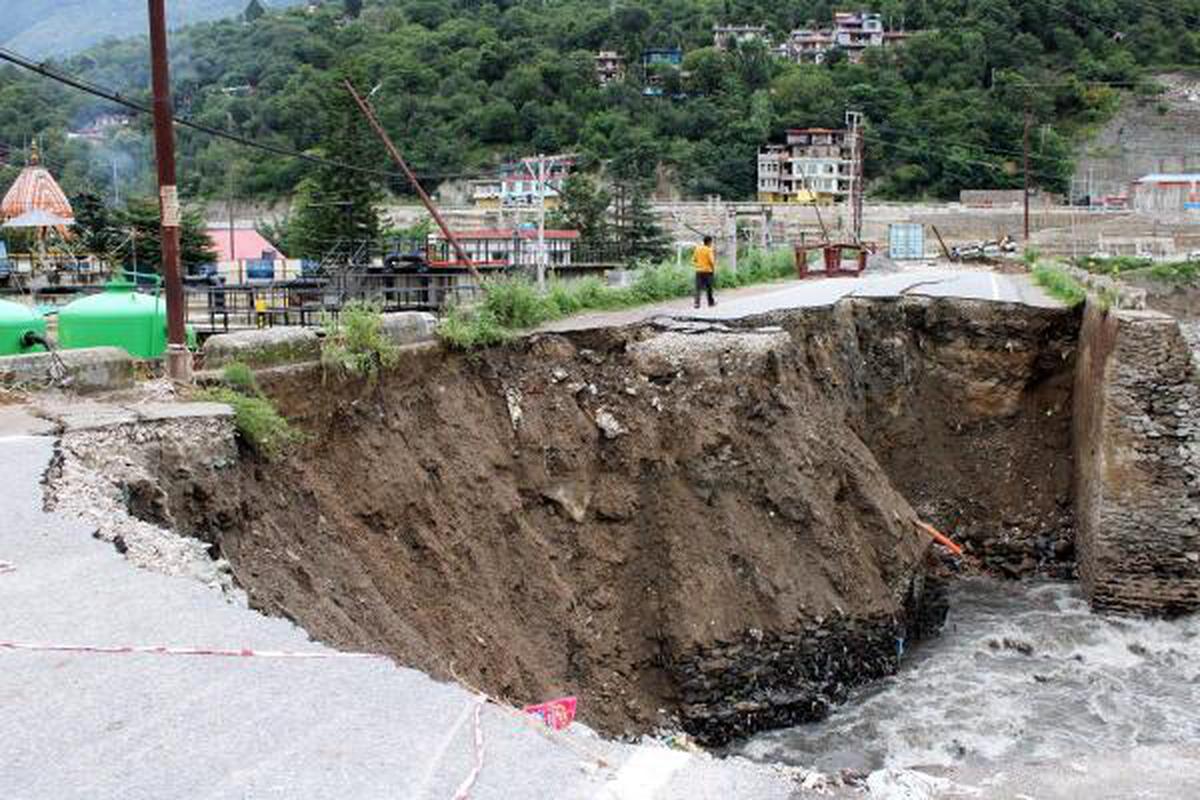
<point>1136,439</point>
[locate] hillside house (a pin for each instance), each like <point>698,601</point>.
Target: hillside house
<point>814,165</point>
<point>517,187</point>
<point>852,33</point>
<point>610,67</point>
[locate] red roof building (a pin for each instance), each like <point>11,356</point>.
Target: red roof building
<point>243,244</point>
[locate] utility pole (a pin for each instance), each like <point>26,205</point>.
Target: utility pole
<point>229,199</point>
<point>541,253</point>
<point>367,111</point>
<point>854,124</point>
<point>179,360</point>
<point>1028,124</point>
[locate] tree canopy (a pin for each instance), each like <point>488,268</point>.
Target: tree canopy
<point>463,84</point>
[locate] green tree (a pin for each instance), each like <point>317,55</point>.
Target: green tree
<point>353,8</point>
<point>584,207</point>
<point>639,231</point>
<point>338,210</point>
<point>254,11</point>
<point>140,224</point>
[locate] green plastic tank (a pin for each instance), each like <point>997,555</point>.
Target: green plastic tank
<point>118,317</point>
<point>16,321</point>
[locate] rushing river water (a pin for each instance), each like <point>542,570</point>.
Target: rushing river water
<point>1021,672</point>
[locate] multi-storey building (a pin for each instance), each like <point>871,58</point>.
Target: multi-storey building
<point>517,184</point>
<point>816,165</point>
<point>852,33</point>
<point>610,67</point>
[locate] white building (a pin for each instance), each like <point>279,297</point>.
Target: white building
<point>816,165</point>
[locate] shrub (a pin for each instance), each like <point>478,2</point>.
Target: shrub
<point>239,376</point>
<point>514,304</point>
<point>1059,284</point>
<point>357,343</point>
<point>257,421</point>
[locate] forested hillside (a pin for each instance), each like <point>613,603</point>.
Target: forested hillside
<point>54,28</point>
<point>463,83</point>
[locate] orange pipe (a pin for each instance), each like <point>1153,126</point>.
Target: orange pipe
<point>940,538</point>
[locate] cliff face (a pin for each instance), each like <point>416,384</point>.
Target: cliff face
<point>688,525</point>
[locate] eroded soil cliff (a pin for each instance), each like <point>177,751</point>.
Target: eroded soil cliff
<point>682,525</point>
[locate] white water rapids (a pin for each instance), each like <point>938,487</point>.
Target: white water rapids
<point>1022,672</point>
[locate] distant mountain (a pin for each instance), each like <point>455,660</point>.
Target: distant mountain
<point>54,28</point>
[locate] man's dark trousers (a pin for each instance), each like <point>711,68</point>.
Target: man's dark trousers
<point>704,283</point>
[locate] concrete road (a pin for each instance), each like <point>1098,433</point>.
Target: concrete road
<point>815,292</point>
<point>132,726</point>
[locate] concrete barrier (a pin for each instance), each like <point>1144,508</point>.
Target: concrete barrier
<point>93,369</point>
<point>264,348</point>
<point>410,327</point>
<point>1137,463</point>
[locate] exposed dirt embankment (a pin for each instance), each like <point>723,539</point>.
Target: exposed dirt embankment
<point>967,406</point>
<point>689,520</point>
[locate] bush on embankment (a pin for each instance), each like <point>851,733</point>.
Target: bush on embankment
<point>512,305</point>
<point>255,417</point>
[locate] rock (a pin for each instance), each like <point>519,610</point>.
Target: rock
<point>559,375</point>
<point>262,348</point>
<point>515,413</point>
<point>609,424</point>
<point>571,498</point>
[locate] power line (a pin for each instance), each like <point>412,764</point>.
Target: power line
<point>116,97</point>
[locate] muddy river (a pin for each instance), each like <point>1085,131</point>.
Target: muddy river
<point>1022,672</point>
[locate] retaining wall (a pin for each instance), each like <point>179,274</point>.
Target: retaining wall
<point>1137,455</point>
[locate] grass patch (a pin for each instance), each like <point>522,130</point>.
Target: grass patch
<point>255,417</point>
<point>1060,285</point>
<point>356,341</point>
<point>515,304</point>
<point>1135,267</point>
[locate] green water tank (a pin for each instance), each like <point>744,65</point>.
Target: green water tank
<point>118,317</point>
<point>16,321</point>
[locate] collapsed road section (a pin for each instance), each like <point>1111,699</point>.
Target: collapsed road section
<point>691,525</point>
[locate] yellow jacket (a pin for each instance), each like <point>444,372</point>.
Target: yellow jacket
<point>704,259</point>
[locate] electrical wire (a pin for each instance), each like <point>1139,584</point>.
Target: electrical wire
<point>114,96</point>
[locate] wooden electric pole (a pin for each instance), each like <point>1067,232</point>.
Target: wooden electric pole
<point>1028,124</point>
<point>179,360</point>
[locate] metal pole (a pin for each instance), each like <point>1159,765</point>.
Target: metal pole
<point>179,360</point>
<point>229,201</point>
<point>541,264</point>
<point>369,113</point>
<point>1028,121</point>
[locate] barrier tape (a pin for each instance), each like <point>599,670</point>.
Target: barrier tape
<point>464,789</point>
<point>35,647</point>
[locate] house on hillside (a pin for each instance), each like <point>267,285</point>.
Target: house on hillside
<point>610,67</point>
<point>814,165</point>
<point>662,57</point>
<point>852,33</point>
<point>725,35</point>
<point>516,186</point>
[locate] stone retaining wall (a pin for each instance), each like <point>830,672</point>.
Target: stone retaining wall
<point>1137,451</point>
<point>769,680</point>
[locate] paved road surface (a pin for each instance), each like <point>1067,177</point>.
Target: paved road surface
<point>754,300</point>
<point>131,726</point>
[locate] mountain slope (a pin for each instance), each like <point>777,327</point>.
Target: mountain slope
<point>45,28</point>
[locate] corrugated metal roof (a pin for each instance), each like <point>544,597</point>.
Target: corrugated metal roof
<point>1169,177</point>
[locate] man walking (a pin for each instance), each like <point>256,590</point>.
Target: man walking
<point>705,261</point>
